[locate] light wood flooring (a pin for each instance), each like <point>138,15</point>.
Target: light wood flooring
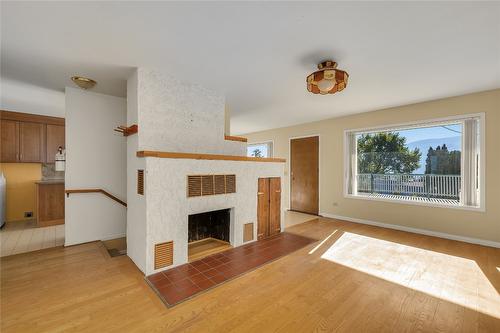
<point>205,247</point>
<point>292,218</point>
<point>25,236</point>
<point>356,278</point>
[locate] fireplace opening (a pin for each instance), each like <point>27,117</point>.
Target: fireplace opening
<point>208,233</point>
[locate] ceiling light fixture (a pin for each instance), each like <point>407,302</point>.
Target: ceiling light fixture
<point>83,82</point>
<point>328,80</point>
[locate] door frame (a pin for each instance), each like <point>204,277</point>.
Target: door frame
<point>290,169</point>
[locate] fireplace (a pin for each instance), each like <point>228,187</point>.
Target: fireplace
<point>208,233</point>
<point>214,224</point>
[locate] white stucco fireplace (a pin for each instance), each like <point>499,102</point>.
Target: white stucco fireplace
<point>181,133</point>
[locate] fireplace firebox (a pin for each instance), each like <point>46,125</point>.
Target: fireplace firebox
<point>214,225</point>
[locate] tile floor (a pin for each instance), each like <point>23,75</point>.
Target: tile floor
<point>20,237</point>
<point>292,218</point>
<point>178,284</point>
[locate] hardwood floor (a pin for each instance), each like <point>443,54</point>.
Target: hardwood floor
<point>357,278</point>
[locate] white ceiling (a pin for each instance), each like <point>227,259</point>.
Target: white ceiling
<point>258,54</point>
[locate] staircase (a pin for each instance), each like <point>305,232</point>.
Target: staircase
<point>116,247</point>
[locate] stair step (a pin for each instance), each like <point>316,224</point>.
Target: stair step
<point>116,247</point>
<point>116,252</point>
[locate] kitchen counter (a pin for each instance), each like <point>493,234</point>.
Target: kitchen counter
<point>50,181</point>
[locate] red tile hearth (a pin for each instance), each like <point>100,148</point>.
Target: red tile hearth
<point>182,282</point>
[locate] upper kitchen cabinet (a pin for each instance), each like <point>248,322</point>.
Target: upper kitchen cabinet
<point>30,138</point>
<point>10,141</point>
<point>31,142</point>
<point>55,139</point>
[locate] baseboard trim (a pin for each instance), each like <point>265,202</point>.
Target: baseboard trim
<point>96,240</point>
<point>415,230</point>
<point>114,236</point>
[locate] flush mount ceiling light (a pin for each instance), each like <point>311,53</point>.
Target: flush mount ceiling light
<point>328,80</point>
<point>83,82</point>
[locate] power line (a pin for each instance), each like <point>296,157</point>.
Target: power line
<point>449,129</point>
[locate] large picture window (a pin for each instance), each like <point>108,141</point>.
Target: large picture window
<point>434,163</point>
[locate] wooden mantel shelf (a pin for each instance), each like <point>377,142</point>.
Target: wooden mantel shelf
<point>235,138</point>
<point>164,154</point>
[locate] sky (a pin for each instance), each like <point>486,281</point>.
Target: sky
<point>435,132</point>
<point>423,138</point>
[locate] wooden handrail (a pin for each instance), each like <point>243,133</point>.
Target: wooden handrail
<point>96,190</point>
<point>195,156</point>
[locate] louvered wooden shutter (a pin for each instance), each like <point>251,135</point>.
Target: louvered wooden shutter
<point>230,183</point>
<point>164,254</point>
<point>220,184</point>
<point>210,185</point>
<point>194,186</point>
<point>207,185</point>
<point>140,182</point>
<point>247,232</point>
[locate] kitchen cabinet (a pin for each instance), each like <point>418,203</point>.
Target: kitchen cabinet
<point>30,138</point>
<point>49,203</point>
<point>31,142</point>
<point>9,141</point>
<point>55,139</point>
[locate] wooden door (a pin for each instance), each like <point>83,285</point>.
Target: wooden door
<point>263,208</point>
<point>304,175</point>
<point>9,141</point>
<point>55,138</point>
<point>274,206</point>
<point>268,207</point>
<point>31,142</point>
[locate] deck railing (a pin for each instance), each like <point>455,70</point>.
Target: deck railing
<point>431,186</point>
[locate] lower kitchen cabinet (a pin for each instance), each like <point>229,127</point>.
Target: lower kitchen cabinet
<point>49,203</point>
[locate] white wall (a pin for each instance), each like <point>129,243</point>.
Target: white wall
<point>176,116</point>
<point>136,210</point>
<point>95,158</point>
<point>482,226</point>
<point>27,98</point>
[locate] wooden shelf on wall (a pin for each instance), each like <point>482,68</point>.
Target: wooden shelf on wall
<point>195,156</point>
<point>132,129</point>
<point>235,138</point>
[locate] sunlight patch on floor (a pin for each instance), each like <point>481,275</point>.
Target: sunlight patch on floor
<point>322,242</point>
<point>451,278</point>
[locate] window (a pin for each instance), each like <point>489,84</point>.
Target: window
<point>264,149</point>
<point>433,163</point>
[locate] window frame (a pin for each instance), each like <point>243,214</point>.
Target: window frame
<point>269,143</point>
<point>419,124</point>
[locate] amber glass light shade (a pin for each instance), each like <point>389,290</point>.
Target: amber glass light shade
<point>328,79</point>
